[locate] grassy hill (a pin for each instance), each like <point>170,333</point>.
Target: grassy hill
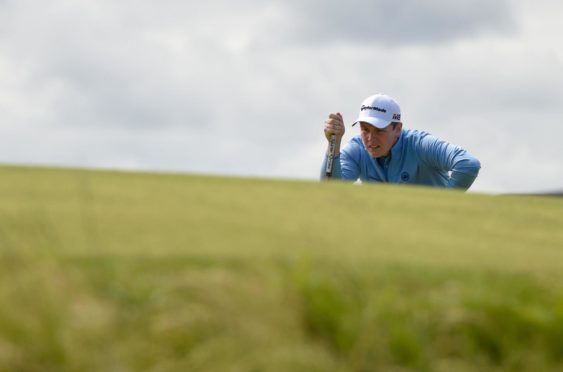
<point>162,272</point>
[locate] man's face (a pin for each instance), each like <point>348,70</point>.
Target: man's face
<point>378,142</point>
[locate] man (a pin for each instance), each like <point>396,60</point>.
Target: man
<point>385,152</point>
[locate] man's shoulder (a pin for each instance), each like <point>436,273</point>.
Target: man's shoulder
<point>354,147</point>
<point>357,140</point>
<point>414,137</point>
<point>355,143</point>
<point>414,134</point>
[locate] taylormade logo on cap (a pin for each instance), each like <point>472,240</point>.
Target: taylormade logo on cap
<point>364,107</point>
<point>379,110</point>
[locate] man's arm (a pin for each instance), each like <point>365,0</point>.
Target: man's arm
<point>440,154</point>
<point>345,165</point>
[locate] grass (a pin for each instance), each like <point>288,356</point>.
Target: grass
<point>164,272</point>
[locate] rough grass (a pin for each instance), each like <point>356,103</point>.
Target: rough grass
<point>160,272</point>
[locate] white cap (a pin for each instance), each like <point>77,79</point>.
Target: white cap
<point>379,110</point>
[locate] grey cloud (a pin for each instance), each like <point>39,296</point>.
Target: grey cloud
<point>101,66</point>
<point>392,23</point>
<point>94,94</point>
<point>516,81</point>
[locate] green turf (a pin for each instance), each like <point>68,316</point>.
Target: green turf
<point>164,272</point>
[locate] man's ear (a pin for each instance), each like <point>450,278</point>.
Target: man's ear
<point>399,127</point>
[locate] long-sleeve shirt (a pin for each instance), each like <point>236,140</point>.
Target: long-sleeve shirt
<point>416,158</point>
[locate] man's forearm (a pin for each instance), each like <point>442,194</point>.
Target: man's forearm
<point>464,173</point>
<point>336,167</point>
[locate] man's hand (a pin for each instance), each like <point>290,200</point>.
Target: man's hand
<point>334,125</point>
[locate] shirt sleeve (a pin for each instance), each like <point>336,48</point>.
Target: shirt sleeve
<point>345,165</point>
<point>336,168</point>
<point>442,155</point>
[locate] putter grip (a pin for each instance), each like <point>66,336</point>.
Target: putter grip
<point>331,155</point>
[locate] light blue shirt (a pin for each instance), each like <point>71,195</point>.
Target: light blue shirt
<point>416,158</point>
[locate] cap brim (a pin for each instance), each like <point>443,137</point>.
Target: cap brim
<point>376,122</point>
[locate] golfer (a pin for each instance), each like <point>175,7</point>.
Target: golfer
<point>385,152</point>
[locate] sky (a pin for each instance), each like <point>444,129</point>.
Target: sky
<point>242,88</point>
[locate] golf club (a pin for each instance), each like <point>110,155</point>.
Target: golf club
<point>331,155</point>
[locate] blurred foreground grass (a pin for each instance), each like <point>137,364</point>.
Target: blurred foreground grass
<point>160,272</point>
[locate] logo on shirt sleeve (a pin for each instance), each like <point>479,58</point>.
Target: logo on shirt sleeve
<point>405,177</point>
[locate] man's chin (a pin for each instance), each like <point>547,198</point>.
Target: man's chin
<point>374,152</point>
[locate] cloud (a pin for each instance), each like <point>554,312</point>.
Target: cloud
<point>98,64</point>
<point>397,23</point>
<point>148,65</point>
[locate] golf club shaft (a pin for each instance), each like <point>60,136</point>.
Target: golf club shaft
<point>331,155</point>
